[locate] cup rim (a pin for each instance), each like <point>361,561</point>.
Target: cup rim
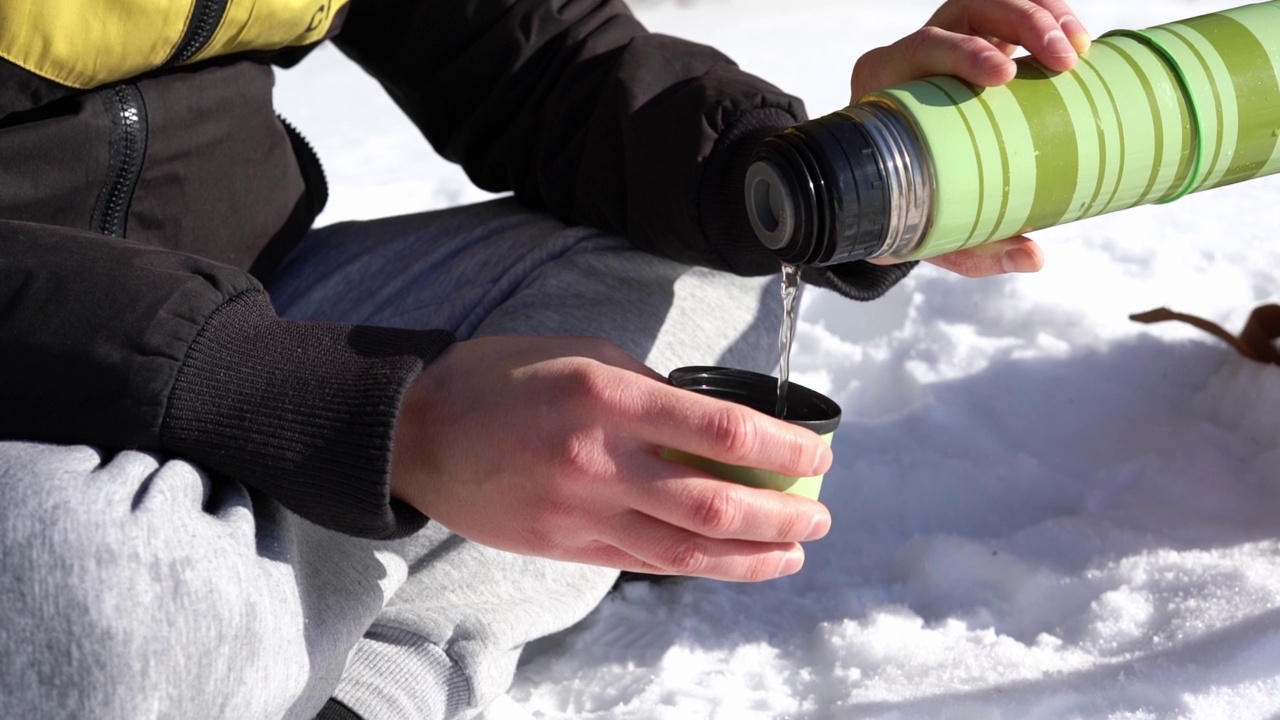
<point>806,408</point>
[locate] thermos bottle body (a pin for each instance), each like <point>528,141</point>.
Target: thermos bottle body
<point>937,165</point>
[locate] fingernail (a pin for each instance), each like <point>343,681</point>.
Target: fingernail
<point>993,62</point>
<point>1058,45</point>
<point>1018,260</point>
<point>819,528</point>
<point>792,563</point>
<point>1080,37</point>
<point>822,463</point>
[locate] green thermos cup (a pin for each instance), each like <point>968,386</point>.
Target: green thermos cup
<point>937,165</point>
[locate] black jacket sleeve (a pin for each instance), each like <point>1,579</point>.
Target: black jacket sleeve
<point>119,345</point>
<point>578,109</point>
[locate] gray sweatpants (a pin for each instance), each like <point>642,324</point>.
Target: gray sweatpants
<point>134,586</point>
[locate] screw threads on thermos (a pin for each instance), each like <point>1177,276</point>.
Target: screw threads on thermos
<point>936,165</point>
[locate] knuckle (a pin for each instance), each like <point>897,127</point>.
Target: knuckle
<point>582,454</point>
<point>687,557</point>
<point>586,377</point>
<point>920,43</point>
<point>733,432</point>
<point>867,65</point>
<point>601,388</point>
<point>1035,16</point>
<point>717,512</point>
<point>761,566</point>
<point>972,45</point>
<point>962,263</point>
<point>793,527</point>
<point>801,454</point>
<point>1057,8</point>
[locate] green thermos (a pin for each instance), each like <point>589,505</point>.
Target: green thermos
<point>937,165</point>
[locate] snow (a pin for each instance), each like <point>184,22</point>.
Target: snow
<point>1042,509</point>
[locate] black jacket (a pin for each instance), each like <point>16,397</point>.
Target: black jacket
<point>145,195</point>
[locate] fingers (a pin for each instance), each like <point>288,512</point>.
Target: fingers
<point>1014,255</point>
<point>932,51</point>
<point>714,508</point>
<point>655,413</point>
<point>973,39</point>
<point>640,543</point>
<point>1046,28</point>
<point>729,433</point>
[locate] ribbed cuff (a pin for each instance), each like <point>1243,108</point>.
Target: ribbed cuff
<point>860,280</point>
<point>394,674</point>
<point>304,412</point>
<point>722,203</point>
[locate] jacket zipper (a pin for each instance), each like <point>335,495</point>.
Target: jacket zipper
<point>205,18</point>
<point>126,149</point>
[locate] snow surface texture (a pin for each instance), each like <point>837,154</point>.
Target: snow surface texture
<point>1042,510</point>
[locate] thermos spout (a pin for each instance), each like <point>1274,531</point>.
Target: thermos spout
<point>769,205</point>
